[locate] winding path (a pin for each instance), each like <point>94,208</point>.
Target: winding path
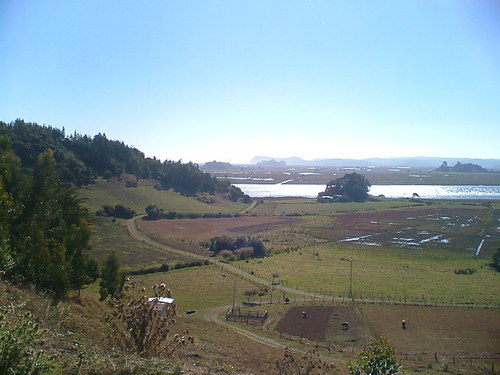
<point>215,313</point>
<point>137,234</point>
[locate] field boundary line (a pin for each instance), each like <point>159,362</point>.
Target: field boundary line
<point>135,232</point>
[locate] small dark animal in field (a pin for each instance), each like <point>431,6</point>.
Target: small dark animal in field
<point>345,326</point>
<point>304,315</point>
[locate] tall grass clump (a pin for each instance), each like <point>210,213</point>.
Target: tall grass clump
<point>20,347</point>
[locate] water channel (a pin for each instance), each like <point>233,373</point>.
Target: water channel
<point>389,191</point>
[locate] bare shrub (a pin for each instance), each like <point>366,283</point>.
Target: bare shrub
<point>310,363</point>
<point>137,325</point>
<point>251,293</point>
<point>245,252</point>
<point>227,255</point>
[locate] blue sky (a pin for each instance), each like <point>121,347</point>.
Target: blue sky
<point>228,80</point>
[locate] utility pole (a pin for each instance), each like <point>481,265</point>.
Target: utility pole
<point>350,284</point>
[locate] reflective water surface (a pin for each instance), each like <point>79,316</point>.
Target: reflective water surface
<point>389,191</point>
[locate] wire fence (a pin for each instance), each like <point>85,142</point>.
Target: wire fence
<point>329,296</point>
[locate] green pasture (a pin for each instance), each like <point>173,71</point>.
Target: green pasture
<point>109,234</point>
<point>380,273</point>
<point>305,206</point>
<point>138,198</point>
<point>198,288</point>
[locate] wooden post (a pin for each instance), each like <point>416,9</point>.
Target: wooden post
<point>234,292</point>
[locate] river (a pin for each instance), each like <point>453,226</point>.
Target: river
<point>389,191</point>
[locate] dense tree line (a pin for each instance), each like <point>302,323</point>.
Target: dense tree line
<point>44,231</point>
<point>81,158</point>
<point>119,211</point>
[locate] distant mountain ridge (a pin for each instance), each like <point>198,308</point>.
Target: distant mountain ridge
<point>414,162</point>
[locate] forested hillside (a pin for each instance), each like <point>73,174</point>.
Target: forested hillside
<point>44,230</point>
<point>82,158</point>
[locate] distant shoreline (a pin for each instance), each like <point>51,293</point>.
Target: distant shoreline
<point>446,192</point>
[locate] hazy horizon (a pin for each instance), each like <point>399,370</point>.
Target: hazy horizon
<point>226,81</point>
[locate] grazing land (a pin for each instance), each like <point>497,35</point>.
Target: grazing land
<point>112,192</point>
<point>403,255</point>
<point>110,234</point>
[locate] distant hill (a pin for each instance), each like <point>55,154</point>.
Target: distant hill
<point>461,168</point>
<point>271,164</point>
<point>414,162</point>
<point>217,165</point>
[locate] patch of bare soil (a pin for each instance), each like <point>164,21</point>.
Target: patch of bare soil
<point>428,329</point>
<point>324,324</point>
<point>204,229</point>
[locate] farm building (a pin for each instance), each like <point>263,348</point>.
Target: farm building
<point>161,304</point>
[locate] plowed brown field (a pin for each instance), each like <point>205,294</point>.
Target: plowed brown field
<point>429,329</point>
<point>204,229</point>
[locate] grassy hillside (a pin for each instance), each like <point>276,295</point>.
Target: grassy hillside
<point>138,198</point>
<point>111,234</point>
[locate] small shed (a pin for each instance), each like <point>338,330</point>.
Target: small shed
<point>161,304</point>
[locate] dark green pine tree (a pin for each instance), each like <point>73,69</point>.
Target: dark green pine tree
<point>112,280</point>
<point>52,234</point>
<point>83,270</point>
<point>12,191</point>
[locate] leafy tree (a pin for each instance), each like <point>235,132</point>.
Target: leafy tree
<point>112,280</point>
<point>153,212</point>
<point>496,260</point>
<point>379,358</point>
<point>123,212</point>
<point>84,270</point>
<point>119,211</point>
<point>259,250</point>
<point>353,186</point>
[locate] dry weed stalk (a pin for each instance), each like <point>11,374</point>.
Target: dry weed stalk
<point>310,363</point>
<point>138,326</point>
